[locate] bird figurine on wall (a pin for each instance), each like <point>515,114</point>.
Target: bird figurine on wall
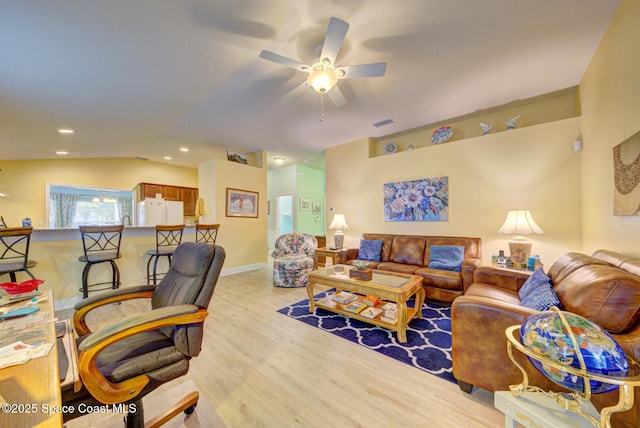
<point>511,123</point>
<point>486,128</point>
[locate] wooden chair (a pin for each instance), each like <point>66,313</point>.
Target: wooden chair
<point>207,233</point>
<point>126,360</point>
<point>168,237</point>
<point>14,251</point>
<point>100,244</point>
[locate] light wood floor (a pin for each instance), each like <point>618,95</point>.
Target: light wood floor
<point>259,368</point>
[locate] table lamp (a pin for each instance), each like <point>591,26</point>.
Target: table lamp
<point>338,224</point>
<point>520,222</point>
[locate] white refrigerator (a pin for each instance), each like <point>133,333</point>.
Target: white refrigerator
<point>152,212</point>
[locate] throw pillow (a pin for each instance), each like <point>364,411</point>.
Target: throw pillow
<point>541,298</point>
<point>370,249</point>
<point>537,279</point>
<point>446,257</point>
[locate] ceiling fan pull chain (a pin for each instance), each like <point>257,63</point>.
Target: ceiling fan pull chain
<point>321,107</point>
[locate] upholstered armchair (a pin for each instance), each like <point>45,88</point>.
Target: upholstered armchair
<point>293,259</point>
<point>124,361</point>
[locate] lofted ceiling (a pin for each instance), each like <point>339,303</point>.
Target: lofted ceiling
<point>143,78</point>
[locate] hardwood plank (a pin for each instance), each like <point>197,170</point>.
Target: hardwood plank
<point>259,368</point>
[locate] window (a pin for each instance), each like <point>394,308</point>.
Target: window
<point>72,206</point>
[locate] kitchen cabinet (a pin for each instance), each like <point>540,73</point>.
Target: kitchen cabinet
<point>188,195</point>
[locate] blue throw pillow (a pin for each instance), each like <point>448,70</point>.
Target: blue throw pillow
<point>370,249</point>
<point>447,257</point>
<point>541,298</point>
<point>537,279</point>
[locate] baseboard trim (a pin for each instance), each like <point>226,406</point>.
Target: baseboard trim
<point>71,302</point>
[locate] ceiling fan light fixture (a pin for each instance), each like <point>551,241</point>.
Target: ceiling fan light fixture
<point>322,80</point>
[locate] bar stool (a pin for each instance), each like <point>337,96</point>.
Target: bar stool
<point>168,237</point>
<point>100,244</point>
<point>14,251</point>
<point>207,233</point>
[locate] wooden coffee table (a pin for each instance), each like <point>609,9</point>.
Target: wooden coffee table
<point>389,286</point>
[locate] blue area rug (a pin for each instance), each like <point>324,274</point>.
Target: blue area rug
<point>428,345</point>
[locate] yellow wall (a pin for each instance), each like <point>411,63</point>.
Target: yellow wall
<point>545,108</point>
<point>244,239</point>
<point>25,181</point>
<point>610,92</point>
<point>530,168</point>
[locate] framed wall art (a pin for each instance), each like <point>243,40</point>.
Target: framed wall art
<point>316,207</point>
<point>626,176</point>
<point>426,199</point>
<point>242,203</point>
<point>305,204</point>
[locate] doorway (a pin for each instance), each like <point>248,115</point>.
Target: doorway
<point>284,214</point>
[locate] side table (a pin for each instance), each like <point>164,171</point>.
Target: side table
<point>325,252</point>
<point>537,410</point>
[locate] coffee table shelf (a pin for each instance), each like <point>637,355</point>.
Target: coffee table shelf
<point>389,286</point>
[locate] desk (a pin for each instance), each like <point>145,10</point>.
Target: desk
<point>34,387</point>
<point>540,411</point>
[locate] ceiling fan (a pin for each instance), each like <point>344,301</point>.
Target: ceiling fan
<point>324,74</point>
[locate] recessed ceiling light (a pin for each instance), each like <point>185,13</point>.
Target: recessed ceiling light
<point>184,149</point>
<point>279,160</point>
<point>167,158</point>
<point>65,131</point>
<point>62,152</point>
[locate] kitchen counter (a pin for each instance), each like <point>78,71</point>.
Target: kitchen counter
<point>70,234</point>
<point>56,252</point>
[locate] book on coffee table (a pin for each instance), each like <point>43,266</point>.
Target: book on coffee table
<point>371,312</point>
<point>344,297</point>
<point>356,307</point>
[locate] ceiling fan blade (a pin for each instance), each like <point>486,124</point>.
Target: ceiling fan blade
<point>363,70</point>
<point>287,62</point>
<point>295,91</point>
<point>336,31</point>
<point>335,94</point>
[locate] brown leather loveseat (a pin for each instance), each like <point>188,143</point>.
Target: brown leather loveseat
<point>412,254</point>
<point>604,288</point>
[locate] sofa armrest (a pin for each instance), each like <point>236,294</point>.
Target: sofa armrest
<point>348,254</point>
<point>479,343</point>
<point>468,268</point>
<point>502,278</point>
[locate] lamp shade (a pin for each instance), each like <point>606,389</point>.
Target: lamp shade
<point>520,222</point>
<point>338,222</point>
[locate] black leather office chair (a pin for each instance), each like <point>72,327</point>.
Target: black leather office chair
<point>123,362</point>
<point>14,251</point>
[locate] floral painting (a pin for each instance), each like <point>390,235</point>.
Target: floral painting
<point>417,200</point>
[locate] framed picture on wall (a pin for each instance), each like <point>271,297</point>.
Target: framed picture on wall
<point>305,204</point>
<point>316,207</point>
<point>242,203</point>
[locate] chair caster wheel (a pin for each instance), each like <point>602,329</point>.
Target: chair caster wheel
<point>190,409</point>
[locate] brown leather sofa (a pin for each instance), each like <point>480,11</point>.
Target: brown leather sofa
<point>411,254</point>
<point>604,288</point>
